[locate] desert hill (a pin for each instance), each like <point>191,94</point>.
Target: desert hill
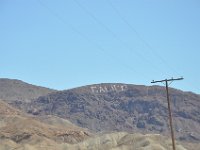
<point>18,129</point>
<point>107,110</point>
<point>125,141</point>
<point>16,90</point>
<point>123,107</point>
<point>109,141</point>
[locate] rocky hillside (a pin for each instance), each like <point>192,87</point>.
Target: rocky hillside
<point>122,107</point>
<point>16,90</point>
<point>18,129</point>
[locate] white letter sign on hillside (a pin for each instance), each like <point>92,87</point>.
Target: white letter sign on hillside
<point>108,88</point>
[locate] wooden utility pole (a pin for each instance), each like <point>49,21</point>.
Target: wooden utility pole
<point>169,106</point>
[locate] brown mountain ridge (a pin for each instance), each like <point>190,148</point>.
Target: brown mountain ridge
<point>123,107</point>
<point>20,131</point>
<point>17,90</point>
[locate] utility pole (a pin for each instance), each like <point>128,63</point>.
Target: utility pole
<point>169,106</point>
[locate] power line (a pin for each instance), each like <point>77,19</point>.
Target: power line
<point>115,35</point>
<point>99,47</point>
<point>156,54</point>
<point>138,35</point>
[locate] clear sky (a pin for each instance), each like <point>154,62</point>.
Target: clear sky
<point>63,44</point>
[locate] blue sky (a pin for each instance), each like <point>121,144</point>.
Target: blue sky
<point>63,44</point>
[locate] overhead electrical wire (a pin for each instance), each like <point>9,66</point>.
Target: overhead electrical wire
<point>154,52</point>
<point>112,33</point>
<point>99,47</point>
<point>116,36</point>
